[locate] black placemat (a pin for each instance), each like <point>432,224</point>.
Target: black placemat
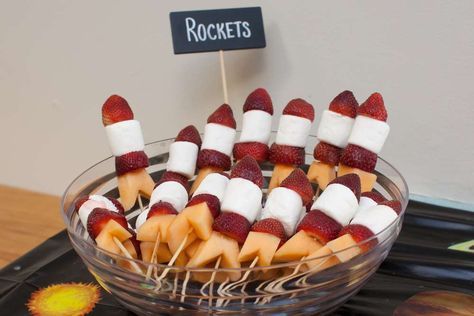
<point>419,261</point>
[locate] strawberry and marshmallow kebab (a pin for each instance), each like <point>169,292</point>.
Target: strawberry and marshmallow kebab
<point>256,127</point>
<point>184,151</point>
<point>333,132</point>
<point>331,211</point>
<point>367,138</point>
<point>350,242</point>
<point>293,130</point>
<point>240,207</point>
<point>217,145</point>
<point>278,219</point>
<point>127,145</point>
<point>200,212</point>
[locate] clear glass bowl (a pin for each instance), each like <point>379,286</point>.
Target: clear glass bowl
<point>288,288</point>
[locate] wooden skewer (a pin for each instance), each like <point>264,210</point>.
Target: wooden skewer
<point>223,76</point>
<point>153,256</point>
<point>233,285</point>
<point>140,202</point>
<point>219,291</point>
<point>175,256</point>
<point>210,283</point>
<point>127,254</point>
<point>185,284</point>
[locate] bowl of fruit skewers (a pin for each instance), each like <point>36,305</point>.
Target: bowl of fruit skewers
<point>221,262</point>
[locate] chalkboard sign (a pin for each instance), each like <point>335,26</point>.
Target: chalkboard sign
<point>213,30</point>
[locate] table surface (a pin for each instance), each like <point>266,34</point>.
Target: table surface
<point>27,219</point>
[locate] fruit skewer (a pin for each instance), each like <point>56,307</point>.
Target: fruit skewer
<point>240,207</point>
<point>333,132</point>
<point>127,145</point>
<point>183,152</point>
<point>256,127</point>
<point>367,138</point>
<point>288,150</point>
<point>217,145</point>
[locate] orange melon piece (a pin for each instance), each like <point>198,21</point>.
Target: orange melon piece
<point>131,184</point>
<point>149,230</point>
<point>367,179</point>
<point>177,231</point>
<point>201,175</point>
<point>201,219</point>
<point>218,245</point>
<point>343,242</point>
<point>323,263</point>
<point>298,246</point>
<point>105,238</point>
<point>259,244</point>
<point>182,260</point>
<point>280,172</point>
<point>130,248</point>
<point>163,254</point>
<point>191,249</point>
<point>321,173</point>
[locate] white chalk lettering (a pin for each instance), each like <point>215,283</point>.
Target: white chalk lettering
<point>220,31</point>
<point>237,23</point>
<point>190,25</point>
<point>202,32</point>
<point>229,30</point>
<point>246,33</point>
<point>198,32</point>
<point>209,34</point>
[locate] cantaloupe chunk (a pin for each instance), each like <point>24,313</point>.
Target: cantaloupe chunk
<point>131,184</point>
<point>163,254</point>
<point>280,172</point>
<point>177,231</point>
<point>321,173</point>
<point>201,219</point>
<point>191,249</point>
<point>201,175</point>
<point>367,179</point>
<point>105,238</point>
<point>298,246</point>
<point>149,230</point>
<point>343,242</point>
<point>327,261</point>
<point>259,244</point>
<point>218,245</point>
<point>130,248</point>
<point>182,260</point>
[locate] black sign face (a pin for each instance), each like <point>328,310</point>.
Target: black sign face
<point>213,30</point>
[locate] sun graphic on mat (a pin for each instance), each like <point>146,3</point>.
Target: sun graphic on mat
<point>64,299</point>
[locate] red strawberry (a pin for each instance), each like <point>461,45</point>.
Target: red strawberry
<point>99,217</point>
<point>225,174</point>
<point>360,233</point>
<point>352,181</point>
<point>327,153</point>
<point>232,225</point>
<point>189,134</point>
<point>358,157</point>
<point>298,182</point>
<point>257,150</point>
<point>223,116</point>
<point>135,242</point>
<point>173,176</point>
<point>161,208</point>
<point>249,169</point>
<point>301,108</point>
<point>345,103</point>
<point>374,107</point>
<point>116,109</point>
<point>117,204</point>
<point>131,161</point>
<point>212,202</point>
<point>259,100</point>
<point>270,226</point>
<point>319,225</point>
<point>80,201</point>
<point>394,205</point>
<point>213,158</point>
<point>282,154</point>
<point>374,195</point>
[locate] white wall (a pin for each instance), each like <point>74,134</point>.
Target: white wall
<point>59,60</point>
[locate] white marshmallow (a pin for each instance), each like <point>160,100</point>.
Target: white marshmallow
<point>141,219</point>
<point>218,137</point>
<point>256,127</point>
<point>337,202</point>
<point>242,197</point>
<point>335,128</point>
<point>369,133</point>
<point>284,205</point>
<point>125,137</point>
<point>171,192</point>
<point>94,201</point>
<point>293,131</point>
<point>376,218</point>
<point>214,184</point>
<point>365,203</point>
<point>182,158</point>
